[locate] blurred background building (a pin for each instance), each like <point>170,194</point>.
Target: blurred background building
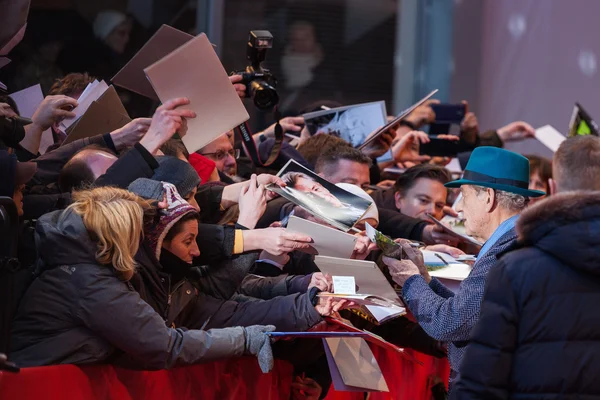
<point>511,60</point>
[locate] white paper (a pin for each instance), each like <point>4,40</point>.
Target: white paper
<point>85,100</point>
<point>370,232</point>
<point>433,257</point>
<point>344,285</point>
<point>382,314</point>
<point>455,272</point>
<point>326,241</point>
<point>28,100</point>
<point>550,137</point>
<point>369,279</point>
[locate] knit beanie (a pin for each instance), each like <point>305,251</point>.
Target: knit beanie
<point>106,21</point>
<point>372,211</point>
<point>177,208</point>
<point>177,172</point>
<point>204,166</point>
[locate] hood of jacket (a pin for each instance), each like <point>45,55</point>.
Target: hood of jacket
<point>62,239</point>
<point>567,226</point>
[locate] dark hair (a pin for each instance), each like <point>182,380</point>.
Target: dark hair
<point>76,174</point>
<point>576,164</point>
<point>316,145</point>
<point>71,84</point>
<point>175,147</point>
<point>178,227</point>
<point>290,178</point>
<point>428,171</point>
<point>9,100</point>
<point>542,166</point>
<point>334,155</point>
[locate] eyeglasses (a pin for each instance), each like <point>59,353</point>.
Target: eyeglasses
<point>222,154</point>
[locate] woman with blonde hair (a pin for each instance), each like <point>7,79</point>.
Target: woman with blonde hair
<point>82,308</point>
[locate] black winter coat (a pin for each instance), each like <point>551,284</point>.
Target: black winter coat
<point>79,312</point>
<point>538,336</point>
<point>204,302</point>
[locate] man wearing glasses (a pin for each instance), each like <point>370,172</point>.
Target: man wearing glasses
<point>221,151</point>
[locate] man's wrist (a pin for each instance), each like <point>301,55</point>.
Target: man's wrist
<point>251,240</point>
<point>150,144</point>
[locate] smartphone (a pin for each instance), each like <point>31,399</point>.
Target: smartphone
<point>439,148</point>
<point>449,113</point>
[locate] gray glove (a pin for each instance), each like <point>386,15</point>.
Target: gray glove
<point>258,343</point>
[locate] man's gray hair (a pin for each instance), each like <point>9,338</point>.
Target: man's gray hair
<point>507,200</point>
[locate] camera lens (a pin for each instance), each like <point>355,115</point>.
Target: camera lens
<point>263,95</point>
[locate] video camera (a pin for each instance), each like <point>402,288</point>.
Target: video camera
<point>260,83</point>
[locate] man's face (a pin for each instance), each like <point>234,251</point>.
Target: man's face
<point>309,186</point>
<point>222,153</point>
<point>425,196</point>
<point>536,183</point>
<point>351,172</point>
<point>473,207</point>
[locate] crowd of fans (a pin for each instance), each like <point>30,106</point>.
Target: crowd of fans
<point>133,251</point>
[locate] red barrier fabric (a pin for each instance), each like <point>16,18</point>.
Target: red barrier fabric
<point>231,379</point>
<point>406,380</point>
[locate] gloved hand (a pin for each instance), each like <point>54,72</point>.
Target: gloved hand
<point>258,343</point>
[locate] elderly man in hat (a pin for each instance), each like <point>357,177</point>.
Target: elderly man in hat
<point>494,191</point>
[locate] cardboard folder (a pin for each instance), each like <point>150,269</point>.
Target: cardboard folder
<point>164,41</point>
<point>194,71</point>
<point>97,120</point>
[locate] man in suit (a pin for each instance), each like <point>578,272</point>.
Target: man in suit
<point>494,191</point>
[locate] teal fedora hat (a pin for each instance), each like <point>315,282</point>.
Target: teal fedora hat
<point>499,169</point>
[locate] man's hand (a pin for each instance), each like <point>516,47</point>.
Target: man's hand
<point>130,134</point>
<point>240,88</point>
<point>442,248</point>
<point>401,270</point>
<point>165,122</point>
<point>53,109</point>
<point>469,127</point>
<point>450,211</point>
<point>252,202</point>
<point>362,247</point>
<point>329,305</point>
<point>288,124</point>
<point>305,389</point>
<point>433,234</point>
<point>422,115</point>
<point>407,148</point>
<point>518,130</point>
<point>267,179</point>
<point>322,281</point>
<point>381,145</point>
<point>276,241</point>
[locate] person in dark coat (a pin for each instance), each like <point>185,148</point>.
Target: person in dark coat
<point>166,280</point>
<point>494,187</point>
<point>539,331</point>
<point>82,308</point>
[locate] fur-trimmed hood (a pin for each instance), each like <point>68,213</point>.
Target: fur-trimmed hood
<point>567,226</point>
